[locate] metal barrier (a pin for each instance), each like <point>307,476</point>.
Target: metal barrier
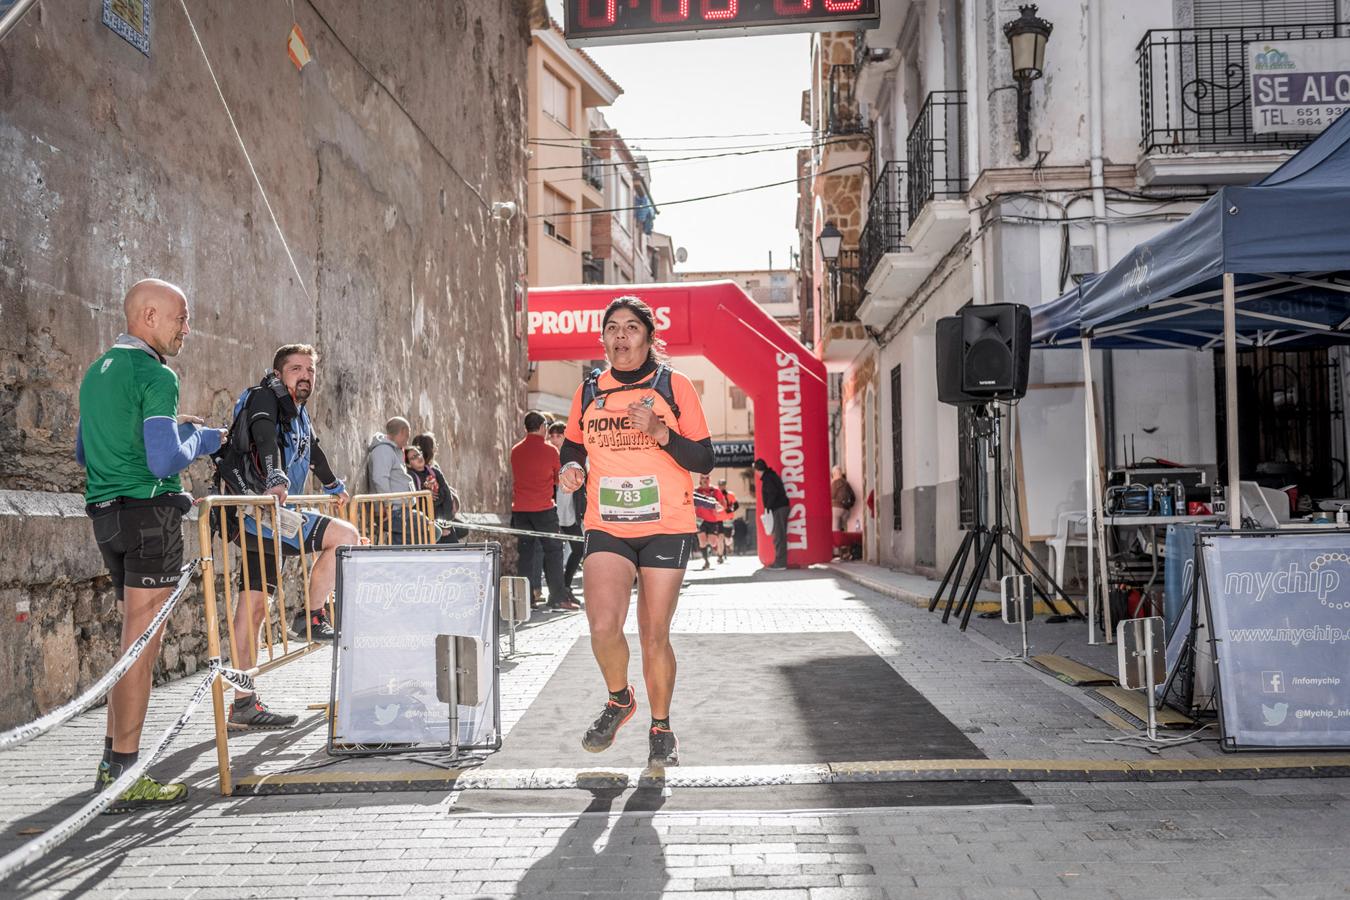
<point>403,518</point>
<point>233,515</point>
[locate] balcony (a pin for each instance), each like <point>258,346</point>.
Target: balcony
<point>843,114</point>
<point>1195,104</point>
<point>592,269</point>
<point>841,336</point>
<point>887,219</point>
<point>937,151</point>
<point>915,215</point>
<point>592,170</point>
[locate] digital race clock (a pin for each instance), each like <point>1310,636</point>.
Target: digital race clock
<point>631,21</point>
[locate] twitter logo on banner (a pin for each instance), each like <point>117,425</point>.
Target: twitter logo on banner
<point>1274,715</point>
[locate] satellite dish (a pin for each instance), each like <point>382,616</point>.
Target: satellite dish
<point>681,255</point>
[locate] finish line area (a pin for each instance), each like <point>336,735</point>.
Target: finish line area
<point>854,700</point>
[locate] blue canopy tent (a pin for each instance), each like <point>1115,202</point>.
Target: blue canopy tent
<point>1262,265</point>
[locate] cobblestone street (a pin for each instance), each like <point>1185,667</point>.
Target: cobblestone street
<point>1252,838</point>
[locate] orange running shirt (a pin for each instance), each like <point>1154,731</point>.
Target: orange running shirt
<point>633,487</point>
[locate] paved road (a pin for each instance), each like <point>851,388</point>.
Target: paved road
<point>1275,838</point>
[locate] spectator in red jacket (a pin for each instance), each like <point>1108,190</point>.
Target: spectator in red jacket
<point>534,480</point>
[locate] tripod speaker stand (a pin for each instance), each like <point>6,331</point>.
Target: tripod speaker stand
<point>982,544</point>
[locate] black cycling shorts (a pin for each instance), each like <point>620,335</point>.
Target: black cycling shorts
<point>728,528</point>
<point>656,551</point>
<point>313,544</point>
<point>141,540</point>
<point>707,526</point>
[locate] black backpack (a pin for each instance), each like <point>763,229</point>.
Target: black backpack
<point>238,468</point>
<point>659,382</point>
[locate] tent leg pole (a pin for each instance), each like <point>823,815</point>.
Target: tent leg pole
<point>1089,490</point>
<point>1230,399</point>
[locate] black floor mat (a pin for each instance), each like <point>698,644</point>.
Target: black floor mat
<point>748,699</point>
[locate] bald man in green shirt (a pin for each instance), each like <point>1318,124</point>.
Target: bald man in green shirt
<point>133,443</point>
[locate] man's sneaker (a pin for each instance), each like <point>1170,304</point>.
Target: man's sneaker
<point>319,627</point>
<point>257,717</point>
<point>663,748</point>
<point>144,793</point>
<point>601,733</point>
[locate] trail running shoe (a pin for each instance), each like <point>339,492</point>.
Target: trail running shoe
<point>257,717</point>
<point>144,793</point>
<point>663,748</point>
<point>601,734</point>
<point>320,629</point>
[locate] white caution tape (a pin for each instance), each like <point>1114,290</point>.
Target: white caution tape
<point>445,525</point>
<point>17,737</point>
<point>59,834</point>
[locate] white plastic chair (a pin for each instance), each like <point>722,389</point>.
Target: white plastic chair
<point>1070,532</point>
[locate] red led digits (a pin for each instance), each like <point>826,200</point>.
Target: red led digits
<point>792,7</point>
<point>843,5</point>
<point>661,14</point>
<point>721,10</point>
<point>589,20</point>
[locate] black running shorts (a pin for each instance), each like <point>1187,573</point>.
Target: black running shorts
<point>709,527</point>
<point>141,540</point>
<point>313,544</point>
<point>657,551</point>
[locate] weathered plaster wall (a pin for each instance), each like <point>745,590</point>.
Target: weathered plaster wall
<point>115,165</point>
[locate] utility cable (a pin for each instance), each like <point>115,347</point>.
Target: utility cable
<point>664,203</point>
<point>243,147</point>
<point>697,137</point>
<point>401,108</point>
<point>778,149</point>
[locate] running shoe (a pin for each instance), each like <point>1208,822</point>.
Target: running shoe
<point>320,629</point>
<point>601,734</point>
<point>663,748</point>
<point>144,793</point>
<point>257,717</point>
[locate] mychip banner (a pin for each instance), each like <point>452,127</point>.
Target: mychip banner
<point>1279,609</point>
<point>395,605</point>
<point>1298,86</point>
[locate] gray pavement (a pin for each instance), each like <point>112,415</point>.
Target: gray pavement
<point>1262,838</point>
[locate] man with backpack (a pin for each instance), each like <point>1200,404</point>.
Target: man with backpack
<point>841,498</point>
<point>271,449</point>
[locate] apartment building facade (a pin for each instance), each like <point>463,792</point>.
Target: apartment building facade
<point>943,200</point>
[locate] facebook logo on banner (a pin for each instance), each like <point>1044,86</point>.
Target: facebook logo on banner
<point>1272,682</point>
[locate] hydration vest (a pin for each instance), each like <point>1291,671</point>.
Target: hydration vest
<point>659,382</point>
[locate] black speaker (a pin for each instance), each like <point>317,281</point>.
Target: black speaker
<point>982,353</point>
<point>950,352</point>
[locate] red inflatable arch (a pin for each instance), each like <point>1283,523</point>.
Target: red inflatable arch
<point>717,320</point>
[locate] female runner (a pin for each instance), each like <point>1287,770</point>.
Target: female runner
<point>639,513</point>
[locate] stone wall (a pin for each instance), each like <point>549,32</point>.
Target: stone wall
<point>380,160</point>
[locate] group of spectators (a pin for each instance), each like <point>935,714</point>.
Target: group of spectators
<point>399,462</point>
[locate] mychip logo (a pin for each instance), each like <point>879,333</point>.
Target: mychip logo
<point>1271,59</point>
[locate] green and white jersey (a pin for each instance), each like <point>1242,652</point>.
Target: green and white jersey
<point>124,387</point>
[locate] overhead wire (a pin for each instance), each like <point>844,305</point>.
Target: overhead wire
<point>300,279</point>
<point>664,203</point>
<point>417,126</point>
<point>697,137</point>
<point>649,160</point>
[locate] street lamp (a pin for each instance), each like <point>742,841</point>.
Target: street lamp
<point>831,241</point>
<point>1027,35</point>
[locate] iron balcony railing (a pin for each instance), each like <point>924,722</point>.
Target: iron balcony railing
<point>846,287</point>
<point>1194,86</point>
<point>843,114</point>
<point>937,150</point>
<point>592,269</point>
<point>592,169</point>
<point>884,231</point>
